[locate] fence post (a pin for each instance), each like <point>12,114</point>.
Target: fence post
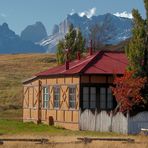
<point>95,118</point>
<point>79,119</point>
<point>111,123</point>
<point>88,119</point>
<point>127,116</point>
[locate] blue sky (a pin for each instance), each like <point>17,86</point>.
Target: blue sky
<point>20,13</point>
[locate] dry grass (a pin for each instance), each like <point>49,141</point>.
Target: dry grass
<point>15,68</point>
<point>141,142</point>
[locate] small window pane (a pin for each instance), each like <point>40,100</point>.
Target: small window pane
<point>109,99</point>
<point>72,97</point>
<point>92,97</point>
<point>102,97</point>
<point>56,97</point>
<point>85,97</point>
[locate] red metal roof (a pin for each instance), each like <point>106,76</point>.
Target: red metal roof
<point>104,62</point>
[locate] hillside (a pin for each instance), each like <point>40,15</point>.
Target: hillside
<point>13,69</point>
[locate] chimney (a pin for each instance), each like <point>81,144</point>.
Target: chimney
<point>78,55</point>
<point>67,65</point>
<point>90,48</point>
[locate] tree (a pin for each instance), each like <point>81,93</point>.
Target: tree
<point>60,52</point>
<point>95,36</point>
<point>101,33</point>
<point>137,48</point>
<point>73,41</point>
<point>127,91</point>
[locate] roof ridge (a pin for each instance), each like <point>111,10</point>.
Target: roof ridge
<point>90,58</point>
<point>92,61</point>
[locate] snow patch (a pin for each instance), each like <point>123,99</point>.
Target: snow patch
<point>89,13</point>
<point>123,14</point>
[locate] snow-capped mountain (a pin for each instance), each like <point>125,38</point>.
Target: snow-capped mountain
<point>116,28</point>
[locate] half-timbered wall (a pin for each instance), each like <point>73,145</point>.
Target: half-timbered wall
<point>64,116</point>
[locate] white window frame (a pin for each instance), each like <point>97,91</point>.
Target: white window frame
<point>72,97</point>
<point>45,97</point>
<point>56,95</point>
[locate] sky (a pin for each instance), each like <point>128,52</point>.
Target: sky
<point>20,13</point>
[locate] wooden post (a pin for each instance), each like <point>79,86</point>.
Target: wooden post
<point>23,97</point>
<point>56,115</point>
<point>111,124</point>
<point>95,119</point>
<point>38,103</point>
<point>127,116</point>
<point>71,116</point>
<point>88,119</point>
<point>79,118</point>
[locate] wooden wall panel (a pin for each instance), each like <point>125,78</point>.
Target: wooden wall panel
<point>34,83</point>
<point>98,79</point>
<point>44,81</point>
<point>60,116</point>
<point>68,80</point>
<point>30,96</point>
<point>110,79</point>
<point>60,80</point>
<point>35,96</point>
<point>85,79</point>
<point>68,116</point>
<point>75,116</point>
<point>51,81</point>
<point>76,80</point>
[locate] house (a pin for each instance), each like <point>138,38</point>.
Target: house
<point>57,95</point>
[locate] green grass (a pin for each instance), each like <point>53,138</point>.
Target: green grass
<point>18,127</point>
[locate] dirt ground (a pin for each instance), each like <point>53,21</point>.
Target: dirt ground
<point>68,142</point>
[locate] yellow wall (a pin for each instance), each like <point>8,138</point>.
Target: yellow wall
<point>64,116</point>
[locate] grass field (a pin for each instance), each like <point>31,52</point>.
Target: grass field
<point>18,129</point>
<point>13,69</point>
<point>14,127</point>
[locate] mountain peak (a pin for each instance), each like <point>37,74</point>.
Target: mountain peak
<point>5,26</point>
<point>116,29</point>
<point>34,33</point>
<point>12,43</point>
<point>76,15</point>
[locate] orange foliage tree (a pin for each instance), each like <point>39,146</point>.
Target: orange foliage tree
<point>127,91</point>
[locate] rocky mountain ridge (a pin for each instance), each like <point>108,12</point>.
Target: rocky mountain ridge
<point>117,29</point>
<point>10,43</point>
